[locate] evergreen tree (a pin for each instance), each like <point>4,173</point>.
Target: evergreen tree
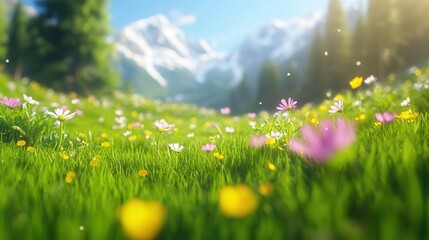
<point>337,46</point>
<point>3,32</point>
<point>269,84</point>
<point>18,41</point>
<point>383,37</point>
<point>74,45</point>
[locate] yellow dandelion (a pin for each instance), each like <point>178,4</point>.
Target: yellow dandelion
<point>339,97</point>
<point>132,138</point>
<point>266,189</point>
<point>21,143</point>
<point>142,220</point>
<point>408,115</point>
<point>270,141</point>
<point>94,163</point>
<point>271,166</point>
<point>356,82</point>
<point>143,172</point>
<point>237,201</point>
<point>31,149</point>
<point>130,126</point>
<point>361,117</point>
<point>218,155</point>
<point>105,144</point>
<point>323,107</point>
<point>314,121</point>
<point>377,124</point>
<point>70,176</point>
<point>64,156</point>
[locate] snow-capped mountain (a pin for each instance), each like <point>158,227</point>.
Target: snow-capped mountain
<point>158,60</point>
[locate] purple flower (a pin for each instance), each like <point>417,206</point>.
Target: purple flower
<point>258,141</point>
<point>283,106</point>
<point>225,111</point>
<point>324,142</point>
<point>251,115</point>
<point>385,117</point>
<point>11,102</point>
<point>208,147</point>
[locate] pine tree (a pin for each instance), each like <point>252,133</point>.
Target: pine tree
<point>269,84</point>
<point>75,49</point>
<point>3,32</point>
<point>337,46</point>
<point>18,42</point>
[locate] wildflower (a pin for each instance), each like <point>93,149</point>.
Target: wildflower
<point>356,82</point>
<point>361,117</point>
<point>208,147</point>
<point>339,97</point>
<point>70,176</point>
<point>337,107</point>
<point>258,141</point>
<point>30,100</point>
<point>275,135</point>
<point>377,124</point>
<point>31,149</point>
<point>229,130</point>
<point>283,106</point>
<point>237,201</point>
<point>61,114</point>
<point>105,144</point>
<point>225,111</point>
<point>385,117</point>
<point>94,162</point>
<point>370,80</point>
<point>322,143</point>
<point>132,138</point>
<point>64,156</point>
<point>218,155</point>
<point>251,115</point>
<point>21,143</point>
<point>271,166</point>
<point>270,141</point>
<point>406,102</point>
<point>176,147</point>
<point>408,115</point>
<point>143,172</point>
<point>162,125</point>
<point>266,189</point>
<point>141,219</point>
<point>11,102</point>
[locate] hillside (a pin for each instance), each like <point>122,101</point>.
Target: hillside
<point>109,168</point>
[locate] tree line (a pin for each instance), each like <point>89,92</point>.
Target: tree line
<point>384,37</point>
<point>65,46</point>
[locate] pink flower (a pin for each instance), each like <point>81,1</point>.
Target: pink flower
<point>283,106</point>
<point>208,147</point>
<point>385,117</point>
<point>251,115</point>
<point>258,141</point>
<point>225,111</point>
<point>11,102</point>
<point>324,142</point>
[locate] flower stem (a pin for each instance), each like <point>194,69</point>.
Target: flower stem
<point>60,143</point>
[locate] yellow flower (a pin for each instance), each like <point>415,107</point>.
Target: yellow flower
<point>408,115</point>
<point>132,138</point>
<point>356,82</point>
<point>314,121</point>
<point>143,173</point>
<point>377,124</point>
<point>134,114</point>
<point>105,144</point>
<point>271,166</point>
<point>323,107</point>
<point>270,141</point>
<point>103,135</point>
<point>418,72</point>
<point>218,155</point>
<point>70,176</point>
<point>94,162</point>
<point>130,126</point>
<point>142,220</point>
<point>237,201</point>
<point>361,117</point>
<point>339,96</point>
<point>31,149</point>
<point>64,156</point>
<point>21,143</point>
<point>266,189</point>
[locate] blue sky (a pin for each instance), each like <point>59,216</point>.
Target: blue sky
<point>223,23</point>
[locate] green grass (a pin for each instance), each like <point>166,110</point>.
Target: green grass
<point>376,189</point>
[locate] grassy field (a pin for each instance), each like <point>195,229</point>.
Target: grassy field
<point>109,172</point>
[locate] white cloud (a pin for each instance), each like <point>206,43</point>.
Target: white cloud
<point>181,19</point>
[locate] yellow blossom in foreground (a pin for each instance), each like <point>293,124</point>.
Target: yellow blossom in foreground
<point>237,201</point>
<point>70,176</point>
<point>314,121</point>
<point>377,124</point>
<point>361,117</point>
<point>31,149</point>
<point>408,115</point>
<point>143,173</point>
<point>266,189</point>
<point>271,166</point>
<point>218,155</point>
<point>105,144</point>
<point>270,141</point>
<point>142,220</point>
<point>64,156</point>
<point>21,143</point>
<point>356,82</point>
